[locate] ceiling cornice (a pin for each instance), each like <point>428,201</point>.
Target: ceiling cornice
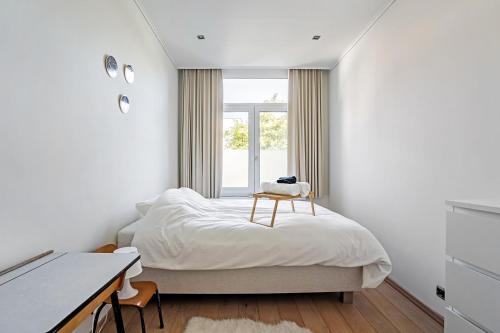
<point>363,33</point>
<point>140,7</point>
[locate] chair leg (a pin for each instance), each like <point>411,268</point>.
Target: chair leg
<point>96,317</point>
<point>293,206</point>
<point>117,312</point>
<point>141,313</point>
<point>158,304</point>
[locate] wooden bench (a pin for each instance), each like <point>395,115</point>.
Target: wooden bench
<point>277,198</point>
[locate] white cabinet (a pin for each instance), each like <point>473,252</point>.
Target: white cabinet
<point>473,266</point>
<point>455,324</point>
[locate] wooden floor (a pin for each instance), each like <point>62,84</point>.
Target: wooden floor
<point>374,310</point>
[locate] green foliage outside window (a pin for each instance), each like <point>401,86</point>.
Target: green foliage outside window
<point>236,137</point>
<point>273,133</point>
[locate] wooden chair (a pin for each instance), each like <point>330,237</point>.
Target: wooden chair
<point>146,291</point>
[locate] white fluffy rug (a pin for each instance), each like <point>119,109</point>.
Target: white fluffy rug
<point>205,325</point>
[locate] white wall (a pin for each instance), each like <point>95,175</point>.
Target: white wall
<point>415,120</point>
<point>72,165</point>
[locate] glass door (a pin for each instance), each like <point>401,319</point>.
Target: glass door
<point>238,151</point>
<point>271,144</point>
<point>255,146</point>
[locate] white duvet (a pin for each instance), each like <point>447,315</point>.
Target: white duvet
<point>184,231</point>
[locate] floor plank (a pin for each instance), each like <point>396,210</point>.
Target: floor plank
<point>229,307</point>
<point>209,307</point>
<point>152,319</point>
<point>330,314</point>
<point>248,307</point>
<point>171,309</point>
<point>372,315</point>
<point>354,318</point>
<point>175,317</point>
<point>383,310</point>
<point>268,310</point>
<point>409,309</point>
<point>288,309</point>
<point>397,318</point>
<point>189,309</point>
<point>310,315</point>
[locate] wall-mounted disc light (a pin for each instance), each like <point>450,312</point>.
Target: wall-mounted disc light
<point>111,66</point>
<point>124,103</point>
<point>128,71</point>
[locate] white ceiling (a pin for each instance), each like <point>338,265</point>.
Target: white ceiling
<point>259,33</point>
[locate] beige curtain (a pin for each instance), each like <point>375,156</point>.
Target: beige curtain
<point>201,107</point>
<point>307,127</point>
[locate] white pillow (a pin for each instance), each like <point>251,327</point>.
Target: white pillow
<point>192,194</point>
<point>143,206</point>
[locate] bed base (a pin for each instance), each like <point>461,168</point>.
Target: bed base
<point>259,280</point>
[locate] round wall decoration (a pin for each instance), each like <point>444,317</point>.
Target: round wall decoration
<point>111,66</point>
<point>128,71</point>
<point>124,103</point>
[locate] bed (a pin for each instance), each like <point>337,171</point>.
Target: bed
<point>192,245</point>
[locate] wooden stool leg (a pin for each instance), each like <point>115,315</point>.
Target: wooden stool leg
<point>293,206</point>
<point>143,326</point>
<point>311,198</point>
<point>158,304</point>
<point>253,209</point>
<point>96,317</point>
<point>274,213</point>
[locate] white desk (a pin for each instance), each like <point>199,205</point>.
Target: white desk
<point>56,292</point>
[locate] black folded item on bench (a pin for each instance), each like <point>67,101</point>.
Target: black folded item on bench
<point>287,180</point>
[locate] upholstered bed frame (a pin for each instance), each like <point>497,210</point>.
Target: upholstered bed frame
<point>257,280</point>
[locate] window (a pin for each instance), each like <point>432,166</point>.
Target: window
<point>236,148</point>
<point>255,134</point>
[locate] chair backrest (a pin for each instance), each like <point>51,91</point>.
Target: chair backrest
<point>108,248</point>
